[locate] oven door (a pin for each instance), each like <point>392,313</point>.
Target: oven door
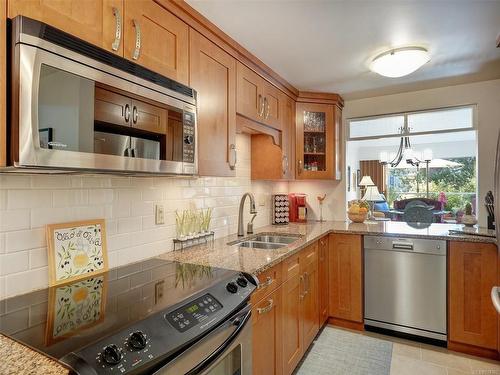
<point>225,351</point>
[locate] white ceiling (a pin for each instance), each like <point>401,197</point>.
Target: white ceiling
<point>327,45</point>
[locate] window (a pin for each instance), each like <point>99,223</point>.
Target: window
<point>455,118</point>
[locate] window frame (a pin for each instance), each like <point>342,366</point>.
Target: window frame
<point>405,117</point>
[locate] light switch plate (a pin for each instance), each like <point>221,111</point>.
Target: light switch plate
<point>261,200</point>
<point>159,214</point>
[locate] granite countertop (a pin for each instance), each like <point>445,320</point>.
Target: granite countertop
<point>18,359</point>
<point>219,254</point>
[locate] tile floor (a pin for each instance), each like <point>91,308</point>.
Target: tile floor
<point>413,358</point>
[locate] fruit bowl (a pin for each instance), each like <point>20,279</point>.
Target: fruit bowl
<point>357,217</point>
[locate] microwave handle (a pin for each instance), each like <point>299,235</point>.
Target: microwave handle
<point>239,322</point>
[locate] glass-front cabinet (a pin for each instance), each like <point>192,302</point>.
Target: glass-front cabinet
<point>315,141</point>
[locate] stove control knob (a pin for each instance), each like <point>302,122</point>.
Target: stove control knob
<point>137,340</point>
<point>242,281</point>
<point>112,355</point>
<point>232,287</point>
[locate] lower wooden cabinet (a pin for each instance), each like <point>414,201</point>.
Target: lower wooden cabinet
<point>300,305</point>
<point>323,280</point>
<point>267,334</point>
<point>346,279</point>
<point>472,319</point>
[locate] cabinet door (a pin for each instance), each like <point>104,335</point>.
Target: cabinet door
<point>149,117</point>
<point>472,273</point>
<point>112,108</point>
<point>213,76</point>
<point>288,136</point>
<point>315,146</point>
<point>346,284</point>
<point>292,318</point>
<point>94,21</point>
<point>323,280</point>
<point>249,102</point>
<point>156,39</point>
<point>267,335</point>
<point>310,307</point>
<point>273,109</point>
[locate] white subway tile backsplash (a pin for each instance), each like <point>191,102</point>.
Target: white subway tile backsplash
<point>38,258</point>
<point>25,239</point>
<point>29,199</point>
<point>14,262</point>
<point>28,203</point>
<point>14,220</point>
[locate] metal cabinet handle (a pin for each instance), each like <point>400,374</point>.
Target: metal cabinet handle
<point>118,29</point>
<point>269,307</point>
<point>135,115</point>
<point>495,298</point>
<point>301,281</point>
<point>127,113</point>
<point>137,49</point>
<point>266,108</point>
<point>299,168</point>
<point>261,106</point>
<point>232,156</point>
<point>265,284</point>
<point>306,282</point>
<point>285,164</point>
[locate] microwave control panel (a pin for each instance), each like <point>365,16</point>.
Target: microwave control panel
<point>188,142</point>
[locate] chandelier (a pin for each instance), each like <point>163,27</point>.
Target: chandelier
<point>405,152</point>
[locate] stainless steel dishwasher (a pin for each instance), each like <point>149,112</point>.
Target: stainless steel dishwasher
<point>405,286</point>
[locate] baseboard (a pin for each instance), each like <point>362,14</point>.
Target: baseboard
<point>473,350</point>
<point>357,326</point>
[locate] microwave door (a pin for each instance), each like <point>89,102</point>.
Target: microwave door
<point>145,148</point>
<point>111,144</point>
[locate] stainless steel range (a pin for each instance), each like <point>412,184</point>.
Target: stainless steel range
<point>154,317</point>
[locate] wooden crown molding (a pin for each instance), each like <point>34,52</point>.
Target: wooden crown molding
<point>205,27</point>
<point>320,97</point>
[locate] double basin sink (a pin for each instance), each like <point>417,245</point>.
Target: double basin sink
<point>266,241</point>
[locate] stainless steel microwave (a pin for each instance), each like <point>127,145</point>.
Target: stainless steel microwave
<point>77,107</point>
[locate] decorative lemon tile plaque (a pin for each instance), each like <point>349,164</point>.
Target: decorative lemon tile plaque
<point>76,250</point>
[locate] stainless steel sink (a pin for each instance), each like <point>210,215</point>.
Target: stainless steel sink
<point>267,241</point>
<point>261,245</point>
<point>275,238</point>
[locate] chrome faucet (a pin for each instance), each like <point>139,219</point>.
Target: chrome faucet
<point>241,231</point>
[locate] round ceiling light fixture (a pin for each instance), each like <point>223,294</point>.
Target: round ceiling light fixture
<point>399,62</point>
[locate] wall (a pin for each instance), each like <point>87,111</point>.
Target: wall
<point>485,94</point>
<point>28,203</point>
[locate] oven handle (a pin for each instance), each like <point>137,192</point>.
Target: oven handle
<point>239,322</point>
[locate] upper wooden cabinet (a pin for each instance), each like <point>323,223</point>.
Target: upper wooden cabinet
<point>345,275</point>
<point>472,319</point>
<point>99,22</point>
<point>315,143</point>
<point>213,76</point>
<point>257,99</point>
<point>271,161</point>
<point>156,39</point>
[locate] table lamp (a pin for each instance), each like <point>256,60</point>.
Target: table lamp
<point>365,181</point>
<point>372,195</point>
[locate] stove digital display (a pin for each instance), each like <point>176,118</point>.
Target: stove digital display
<point>195,312</point>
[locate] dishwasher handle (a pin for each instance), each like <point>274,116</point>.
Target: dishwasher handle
<point>400,245</point>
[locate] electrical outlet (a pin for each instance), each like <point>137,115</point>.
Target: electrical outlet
<point>261,200</point>
<point>159,215</point>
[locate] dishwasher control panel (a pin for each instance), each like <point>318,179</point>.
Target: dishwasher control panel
<point>415,245</point>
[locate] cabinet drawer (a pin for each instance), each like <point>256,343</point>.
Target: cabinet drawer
<point>309,255</point>
<point>269,280</point>
<point>291,267</point>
